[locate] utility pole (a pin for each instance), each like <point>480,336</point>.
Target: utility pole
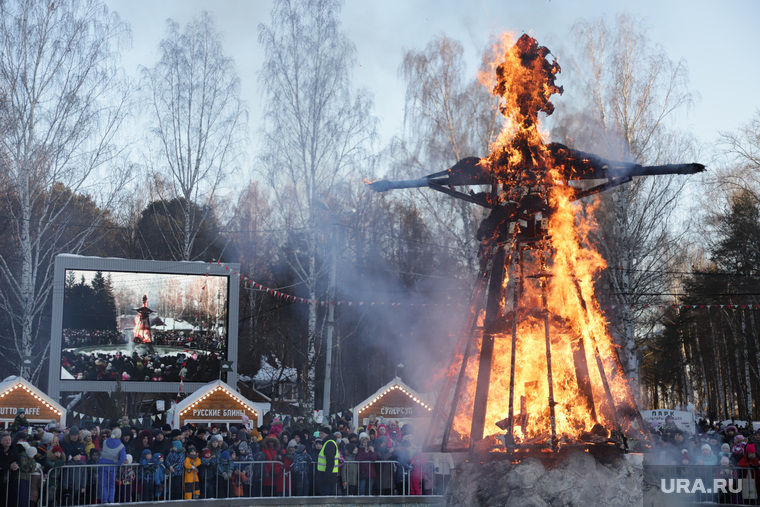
<point>330,320</point>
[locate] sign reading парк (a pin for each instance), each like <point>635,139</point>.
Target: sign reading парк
<point>682,419</point>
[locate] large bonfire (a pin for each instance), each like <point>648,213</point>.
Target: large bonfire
<point>535,358</point>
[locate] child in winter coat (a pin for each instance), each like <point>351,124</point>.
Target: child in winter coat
<point>147,469</point>
<point>175,465</point>
<point>208,473</point>
<point>300,468</point>
<point>125,481</point>
<point>192,481</point>
<point>159,476</point>
<point>27,466</point>
<point>237,482</point>
<point>53,467</point>
<point>349,472</point>
<point>223,474</point>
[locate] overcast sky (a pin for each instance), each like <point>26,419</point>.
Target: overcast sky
<point>718,40</point>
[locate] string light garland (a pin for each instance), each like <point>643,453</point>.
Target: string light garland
<point>31,392</point>
<point>391,388</point>
<point>226,391</point>
<point>249,283</point>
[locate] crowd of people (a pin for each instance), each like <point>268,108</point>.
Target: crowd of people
<point>288,457</point>
<point>197,340</point>
<point>732,453</point>
<point>75,338</point>
<point>189,366</point>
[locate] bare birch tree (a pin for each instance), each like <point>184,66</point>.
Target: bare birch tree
<point>627,93</point>
<point>197,124</point>
<point>64,102</point>
<point>448,116</point>
<point>316,135</point>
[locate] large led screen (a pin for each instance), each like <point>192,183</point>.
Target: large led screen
<point>143,326</point>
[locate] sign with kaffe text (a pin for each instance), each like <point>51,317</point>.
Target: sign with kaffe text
<point>34,408</point>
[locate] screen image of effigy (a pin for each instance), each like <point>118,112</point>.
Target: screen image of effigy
<point>143,326</point>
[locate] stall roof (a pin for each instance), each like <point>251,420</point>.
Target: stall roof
<point>12,383</point>
<point>395,384</point>
<point>205,391</point>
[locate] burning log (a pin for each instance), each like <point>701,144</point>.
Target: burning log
<point>542,325</point>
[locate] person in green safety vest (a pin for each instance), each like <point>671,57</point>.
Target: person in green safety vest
<point>327,464</point>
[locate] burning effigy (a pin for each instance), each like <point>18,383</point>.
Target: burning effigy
<point>141,329</point>
<point>535,368</point>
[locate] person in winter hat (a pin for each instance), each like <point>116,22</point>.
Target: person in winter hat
<point>272,482</point>
<point>707,457</point>
<point>192,479</point>
<point>300,470</point>
<point>54,461</point>
<point>175,470</point>
<point>159,476</point>
<point>19,422</point>
<point>126,481</point>
<point>114,454</point>
<point>207,470</point>
<point>223,474</point>
<point>27,465</point>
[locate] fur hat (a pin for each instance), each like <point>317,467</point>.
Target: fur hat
<point>269,439</point>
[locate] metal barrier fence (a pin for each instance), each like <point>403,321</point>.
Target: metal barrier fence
<point>691,484</point>
<point>94,484</point>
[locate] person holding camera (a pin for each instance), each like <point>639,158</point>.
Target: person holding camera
<point>366,456</point>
